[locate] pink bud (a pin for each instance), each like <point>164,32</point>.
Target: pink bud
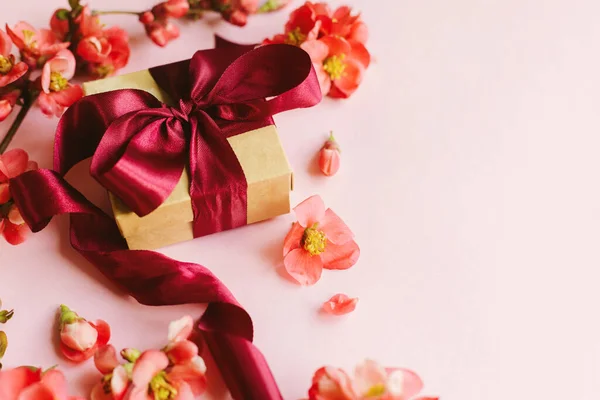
<point>329,158</point>
<point>146,18</point>
<point>79,335</point>
<point>177,8</point>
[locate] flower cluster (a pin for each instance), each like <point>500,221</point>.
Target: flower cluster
<point>370,381</point>
<point>12,226</point>
<point>319,239</point>
<point>176,372</point>
<point>335,41</point>
<point>28,383</point>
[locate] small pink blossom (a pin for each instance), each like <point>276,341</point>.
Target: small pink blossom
<point>329,157</point>
<point>370,381</point>
<point>80,339</point>
<point>35,45</point>
<point>57,93</point>
<point>340,304</point>
<point>320,239</point>
<point>27,383</point>
<point>10,70</point>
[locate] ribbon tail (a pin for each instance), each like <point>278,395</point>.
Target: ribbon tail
<point>152,279</point>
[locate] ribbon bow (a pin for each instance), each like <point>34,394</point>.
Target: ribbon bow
<point>144,145</point>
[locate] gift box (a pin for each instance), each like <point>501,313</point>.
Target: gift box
<point>257,148</point>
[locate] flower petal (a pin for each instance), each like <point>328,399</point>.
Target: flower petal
<point>14,215</point>
<point>56,382</point>
<point>15,234</point>
<point>324,79</point>
<point>5,109</point>
<point>316,49</point>
<point>340,256</point>
<point>193,373</point>
<point>303,267</point>
<point>340,304</point>
<point>403,383</point>
<point>13,162</point>
<point>337,45</point>
<point>331,383</point>
<point>5,44</point>
<point>17,71</point>
<point>182,351</point>
<point>184,392</point>
<point>80,335</point>
<point>359,32</point>
<point>181,329</point>
<point>13,381</point>
<point>68,96</point>
<point>335,229</point>
<point>369,374</point>
<point>105,359</point>
<point>119,382</point>
<point>98,393</point>
<point>292,240</point>
<point>360,53</point>
<point>103,332</point>
<point>36,391</point>
<point>64,63</point>
<point>46,77</point>
<point>4,193</point>
<point>310,211</point>
<point>149,364</point>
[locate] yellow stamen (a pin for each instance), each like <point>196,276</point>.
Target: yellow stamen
<point>295,37</point>
<point>161,389</point>
<point>335,66</point>
<point>314,241</point>
<point>5,65</point>
<point>376,391</point>
<point>104,70</point>
<point>57,82</point>
<point>28,38</point>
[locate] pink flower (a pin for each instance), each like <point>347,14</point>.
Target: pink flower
<point>339,64</point>
<point>340,304</point>
<point>59,23</point>
<point>12,226</point>
<point>36,46</point>
<point>176,372</point>
<point>7,102</point>
<point>303,25</point>
<point>57,93</point>
<point>27,383</point>
<point>320,239</point>
<point>331,383</point>
<point>80,339</point>
<point>10,70</point>
<point>105,51</point>
<point>375,381</point>
<point>329,157</point>
<point>371,381</point>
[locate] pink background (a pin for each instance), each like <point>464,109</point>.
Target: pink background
<point>469,175</point>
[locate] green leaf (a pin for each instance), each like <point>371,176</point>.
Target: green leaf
<point>3,343</point>
<point>74,4</point>
<point>63,14</point>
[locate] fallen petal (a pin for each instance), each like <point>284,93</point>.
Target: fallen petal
<point>340,304</point>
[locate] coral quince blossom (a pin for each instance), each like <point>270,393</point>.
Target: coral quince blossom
<point>371,381</point>
<point>303,25</point>
<point>79,339</point>
<point>36,46</point>
<point>340,64</point>
<point>177,372</point>
<point>320,239</point>
<point>57,92</point>
<point>104,50</point>
<point>10,70</point>
<point>340,304</point>
<point>27,383</point>
<point>12,226</point>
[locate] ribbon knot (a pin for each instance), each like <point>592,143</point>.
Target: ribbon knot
<point>183,110</point>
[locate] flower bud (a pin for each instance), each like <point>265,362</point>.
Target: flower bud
<point>329,158</point>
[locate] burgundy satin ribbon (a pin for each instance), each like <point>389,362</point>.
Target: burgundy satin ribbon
<point>220,103</point>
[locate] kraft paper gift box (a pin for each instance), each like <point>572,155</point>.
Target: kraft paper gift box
<point>260,153</point>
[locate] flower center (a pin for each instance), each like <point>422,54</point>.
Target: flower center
<point>5,65</point>
<point>295,37</point>
<point>335,66</point>
<point>314,241</point>
<point>104,70</point>
<point>161,389</point>
<point>376,390</point>
<point>57,82</point>
<point>29,39</point>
